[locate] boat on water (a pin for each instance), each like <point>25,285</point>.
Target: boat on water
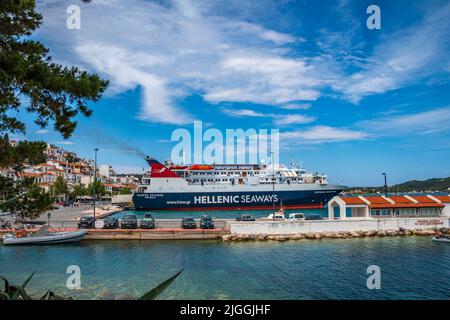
<point>441,239</point>
<point>231,187</point>
<point>43,237</point>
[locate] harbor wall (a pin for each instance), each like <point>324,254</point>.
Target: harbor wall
<point>349,225</point>
<point>154,234</point>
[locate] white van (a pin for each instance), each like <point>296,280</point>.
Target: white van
<point>296,217</point>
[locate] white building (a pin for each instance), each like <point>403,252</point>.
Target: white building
<point>106,170</point>
<point>364,207</point>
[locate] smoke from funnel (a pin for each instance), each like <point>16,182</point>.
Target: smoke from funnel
<point>102,140</point>
<point>127,148</point>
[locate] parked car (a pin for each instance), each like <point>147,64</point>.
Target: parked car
<point>188,223</point>
<point>206,222</point>
<point>296,217</point>
<point>129,221</point>
<point>245,217</point>
<point>86,222</point>
<point>110,223</point>
<point>148,222</point>
<point>313,217</point>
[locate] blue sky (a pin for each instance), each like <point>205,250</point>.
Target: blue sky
<point>348,101</point>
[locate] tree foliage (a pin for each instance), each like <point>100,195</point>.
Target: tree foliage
<point>60,187</point>
<point>30,152</point>
<point>57,93</point>
<point>98,187</point>
<point>24,198</point>
<point>79,190</point>
<point>125,190</point>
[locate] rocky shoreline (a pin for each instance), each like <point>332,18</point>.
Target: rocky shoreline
<point>330,235</point>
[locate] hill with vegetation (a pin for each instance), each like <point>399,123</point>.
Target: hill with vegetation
<point>434,184</point>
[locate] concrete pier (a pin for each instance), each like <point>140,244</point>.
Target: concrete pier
<point>348,225</point>
<point>155,234</point>
<point>142,234</point>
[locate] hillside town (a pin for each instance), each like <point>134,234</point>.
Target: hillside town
<point>76,172</point>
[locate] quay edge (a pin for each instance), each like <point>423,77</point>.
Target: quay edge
<point>330,235</point>
<point>264,230</point>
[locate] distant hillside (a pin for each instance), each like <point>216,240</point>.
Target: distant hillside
<point>435,184</point>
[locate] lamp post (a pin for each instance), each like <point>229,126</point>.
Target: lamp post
<point>385,184</point>
<point>273,185</point>
<point>95,180</point>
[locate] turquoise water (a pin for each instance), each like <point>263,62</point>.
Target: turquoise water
<point>411,268</point>
<point>216,214</point>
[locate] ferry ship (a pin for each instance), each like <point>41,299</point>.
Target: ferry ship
<point>231,187</point>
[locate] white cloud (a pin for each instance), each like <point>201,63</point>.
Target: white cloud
<point>174,48</point>
<point>401,58</point>
<point>278,119</point>
<point>42,131</point>
<point>298,106</point>
<point>169,50</point>
<point>322,134</point>
<point>238,113</point>
<point>290,119</point>
<point>64,142</point>
<point>263,78</point>
<point>420,123</point>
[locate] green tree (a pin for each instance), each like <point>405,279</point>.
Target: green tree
<point>56,94</point>
<point>30,152</point>
<point>99,188</point>
<point>125,190</point>
<point>24,199</point>
<point>60,188</point>
<point>79,190</point>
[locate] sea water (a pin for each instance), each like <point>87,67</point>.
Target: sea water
<point>411,268</point>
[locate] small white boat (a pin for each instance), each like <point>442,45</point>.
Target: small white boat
<point>441,239</point>
<point>43,236</point>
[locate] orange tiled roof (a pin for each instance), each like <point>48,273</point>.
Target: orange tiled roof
<point>401,199</point>
<point>444,199</point>
<point>407,205</point>
<point>377,200</point>
<point>423,199</point>
<point>352,200</point>
<point>44,165</point>
<point>29,174</point>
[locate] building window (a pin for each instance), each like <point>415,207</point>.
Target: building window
<point>375,212</point>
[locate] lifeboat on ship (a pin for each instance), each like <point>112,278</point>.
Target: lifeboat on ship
<point>201,167</point>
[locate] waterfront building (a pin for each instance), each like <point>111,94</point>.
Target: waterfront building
<point>54,153</point>
<point>400,206</point>
<point>106,171</point>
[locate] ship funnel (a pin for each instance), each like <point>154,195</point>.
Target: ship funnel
<point>158,170</point>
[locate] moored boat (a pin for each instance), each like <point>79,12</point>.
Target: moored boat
<point>43,236</point>
<point>231,187</point>
<point>441,239</point>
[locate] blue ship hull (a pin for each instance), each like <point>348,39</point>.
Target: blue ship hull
<point>233,200</point>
